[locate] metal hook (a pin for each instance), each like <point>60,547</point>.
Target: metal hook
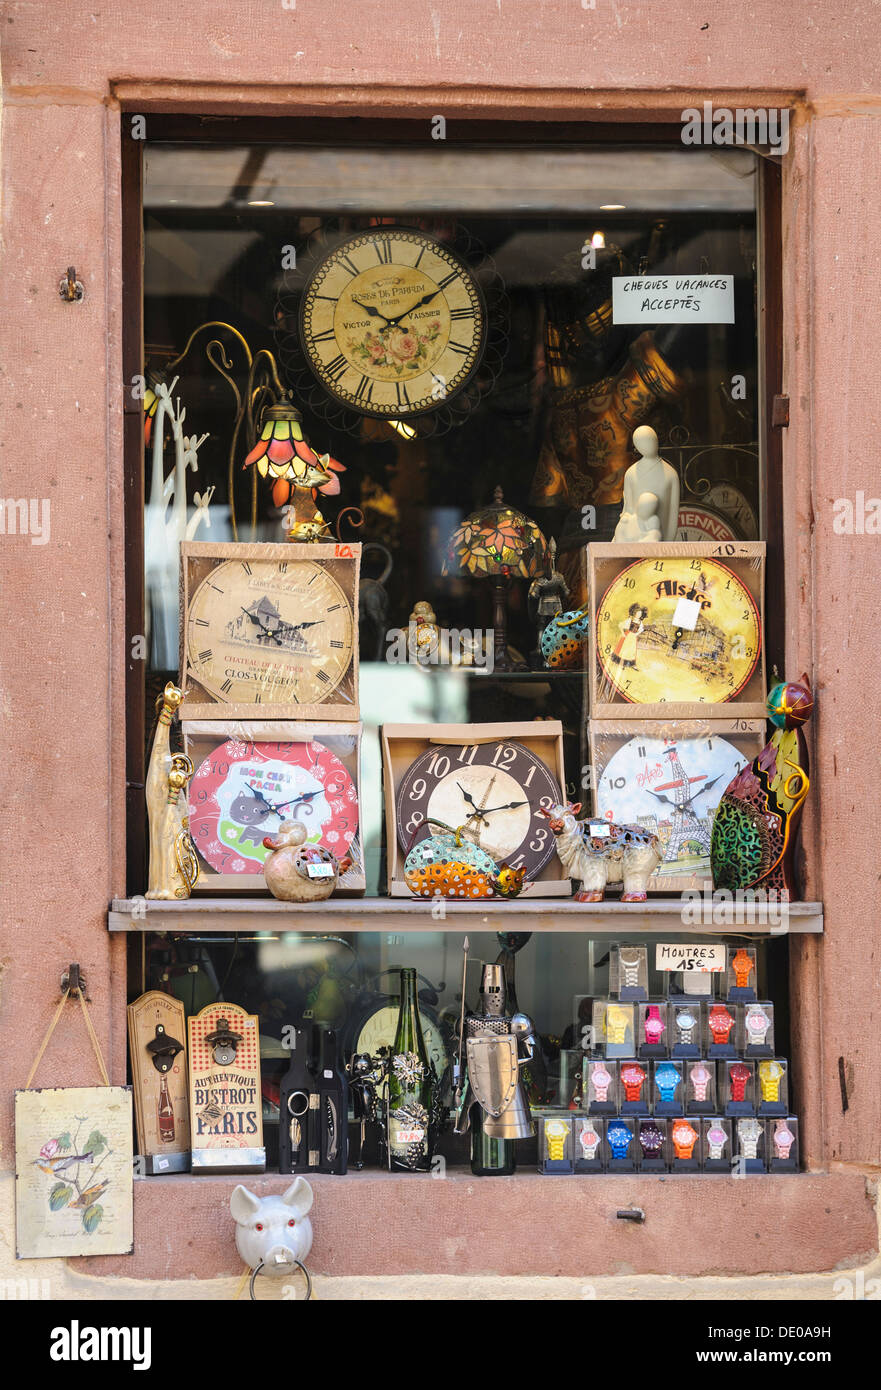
<point>70,288</point>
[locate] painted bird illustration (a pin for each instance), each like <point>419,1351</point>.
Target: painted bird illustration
<point>757,816</point>
<point>91,1194</point>
<point>54,1166</point>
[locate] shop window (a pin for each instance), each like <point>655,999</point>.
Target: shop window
<point>277,270</point>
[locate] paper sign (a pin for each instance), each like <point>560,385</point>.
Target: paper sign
<point>686,614</point>
<point>600,830</point>
<point>673,299</point>
<point>701,957</point>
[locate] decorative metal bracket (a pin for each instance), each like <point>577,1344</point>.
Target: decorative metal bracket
<point>70,288</point>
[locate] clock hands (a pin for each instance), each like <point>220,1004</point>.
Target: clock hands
<point>477,812</point>
<point>510,806</point>
<point>295,801</point>
<point>426,298</point>
<point>374,313</point>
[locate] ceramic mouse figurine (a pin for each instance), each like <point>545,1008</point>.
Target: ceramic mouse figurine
<point>299,873</point>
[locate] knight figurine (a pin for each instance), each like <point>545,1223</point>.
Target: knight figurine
<point>497,1045</point>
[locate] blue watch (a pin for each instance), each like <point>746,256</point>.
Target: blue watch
<point>620,1138</point>
<point>667,1078</point>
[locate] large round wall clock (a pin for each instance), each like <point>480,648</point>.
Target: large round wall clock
<point>673,785</point>
<point>677,629</point>
<point>495,791</point>
<point>243,790</point>
<point>270,632</point>
<point>375,1033</point>
<point>393,323</point>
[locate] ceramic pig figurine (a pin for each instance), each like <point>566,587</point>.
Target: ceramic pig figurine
<point>273,1234</point>
<point>628,855</point>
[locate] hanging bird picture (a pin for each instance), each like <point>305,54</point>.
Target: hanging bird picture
<point>757,816</point>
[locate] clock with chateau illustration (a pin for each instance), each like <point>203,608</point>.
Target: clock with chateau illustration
<point>269,630</point>
<point>669,778</point>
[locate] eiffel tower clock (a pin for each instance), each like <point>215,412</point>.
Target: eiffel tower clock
<point>669,777</point>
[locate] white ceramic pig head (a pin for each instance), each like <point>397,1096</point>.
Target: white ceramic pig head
<point>273,1231</point>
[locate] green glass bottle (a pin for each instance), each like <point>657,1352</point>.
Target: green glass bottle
<point>410,1081</point>
<point>490,1157</point>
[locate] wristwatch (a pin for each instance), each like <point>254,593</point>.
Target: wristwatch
<point>684,1137</point>
<point>617,1023</point>
<point>685,1025</point>
<point>700,1077</point>
<point>555,1137</point>
<point>629,961</point>
<point>757,1024</point>
<point>600,1080</point>
<point>651,1140</point>
<point>742,965</point>
<point>738,1077</point>
<point>748,1132</point>
<point>783,1139</point>
<point>620,1138</point>
<point>770,1076</point>
<point>633,1076</point>
<point>720,1023</point>
<point>667,1078</point>
<point>717,1139</point>
<point>590,1141</point>
<point>654,1026</point>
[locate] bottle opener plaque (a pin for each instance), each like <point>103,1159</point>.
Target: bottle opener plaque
<point>225,1102</point>
<point>157,1032</point>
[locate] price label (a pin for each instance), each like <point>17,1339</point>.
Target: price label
<point>701,957</point>
<point>409,1136</point>
<point>600,829</point>
<point>686,614</point>
<point>320,870</point>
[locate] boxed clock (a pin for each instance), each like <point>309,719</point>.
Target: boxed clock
<point>269,631</point>
<point>668,776</point>
<point>491,782</point>
<point>251,775</point>
<point>677,627</point>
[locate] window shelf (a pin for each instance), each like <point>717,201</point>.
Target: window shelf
<point>658,917</point>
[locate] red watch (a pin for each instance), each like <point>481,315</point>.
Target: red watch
<point>633,1078</point>
<point>720,1023</point>
<point>738,1077</point>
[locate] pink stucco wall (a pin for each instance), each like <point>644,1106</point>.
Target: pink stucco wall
<point>65,70</point>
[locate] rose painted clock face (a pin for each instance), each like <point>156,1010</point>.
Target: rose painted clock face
<point>393,323</point>
<point>269,632</point>
<point>677,629</point>
<point>494,791</point>
<point>242,791</point>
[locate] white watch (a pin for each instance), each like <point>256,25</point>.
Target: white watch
<point>748,1132</point>
<point>590,1142</point>
<point>717,1139</point>
<point>685,1025</point>
<point>757,1024</point>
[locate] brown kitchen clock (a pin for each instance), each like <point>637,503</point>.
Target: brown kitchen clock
<point>269,631</point>
<point>677,628</point>
<point>393,323</point>
<point>492,782</point>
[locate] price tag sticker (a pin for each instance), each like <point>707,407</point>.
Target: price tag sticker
<point>600,829</point>
<point>686,614</point>
<point>320,870</point>
<point>701,957</point>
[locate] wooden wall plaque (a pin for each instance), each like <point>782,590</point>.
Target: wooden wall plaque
<point>157,1029</point>
<point>226,1108</point>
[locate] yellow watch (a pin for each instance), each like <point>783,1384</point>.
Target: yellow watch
<point>770,1076</point>
<point>555,1136</point>
<point>617,1023</point>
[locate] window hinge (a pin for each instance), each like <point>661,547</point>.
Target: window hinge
<point>780,413</point>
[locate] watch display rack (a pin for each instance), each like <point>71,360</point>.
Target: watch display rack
<point>571,1142</point>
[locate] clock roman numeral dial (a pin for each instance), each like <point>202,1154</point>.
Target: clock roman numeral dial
<point>377,322</point>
